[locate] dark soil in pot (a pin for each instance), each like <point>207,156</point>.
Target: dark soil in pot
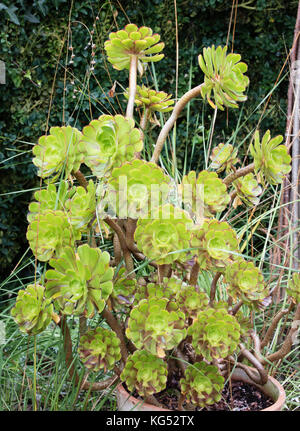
<point>238,396</point>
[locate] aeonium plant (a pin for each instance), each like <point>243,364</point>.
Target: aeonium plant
<point>164,322</point>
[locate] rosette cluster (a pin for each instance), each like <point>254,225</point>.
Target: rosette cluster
<point>32,311</point>
<point>224,79</point>
<point>271,160</point>
<point>80,283</point>
<point>133,41</point>
<point>99,348</point>
<point>144,372</point>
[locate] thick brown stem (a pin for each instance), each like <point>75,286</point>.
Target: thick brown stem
<point>257,364</point>
<point>288,343</point>
<point>132,86</point>
<point>114,324</point>
<point>117,249</point>
<point>97,386</point>
<point>194,92</point>
<point>194,274</point>
<point>81,179</point>
<point>239,173</point>
<point>272,327</point>
<point>122,239</point>
<point>214,287</point>
<point>236,308</point>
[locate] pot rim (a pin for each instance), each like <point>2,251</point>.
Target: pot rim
<point>276,406</point>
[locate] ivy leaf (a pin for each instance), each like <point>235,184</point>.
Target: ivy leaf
<point>11,13</point>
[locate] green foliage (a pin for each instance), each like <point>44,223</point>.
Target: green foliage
<point>165,237</point>
<point>81,282</point>
<point>153,328</point>
<point>99,348</point>
<point>202,384</point>
<point>141,178</point>
<point>293,288</point>
<point>49,232</point>
<point>210,190</point>
<point>248,190</point>
<point>215,333</point>
<point>133,40</point>
<point>272,161</point>
<point>59,153</point>
<point>145,372</point>
<point>32,311</point>
<point>246,282</point>
<point>223,157</point>
<point>216,244</point>
<point>109,141</point>
<point>224,77</point>
<point>151,99</point>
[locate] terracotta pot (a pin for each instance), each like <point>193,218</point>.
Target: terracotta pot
<point>272,388</point>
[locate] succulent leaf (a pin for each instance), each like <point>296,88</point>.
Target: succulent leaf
<point>248,190</point>
<point>216,245</point>
<point>131,40</point>
<point>215,333</point>
<point>49,232</point>
<point>206,190</point>
<point>32,311</point>
<point>153,328</point>
<point>163,237</point>
<point>145,372</point>
<point>293,288</point>
<point>245,282</point>
<point>223,157</point>
<point>110,141</point>
<point>59,152</point>
<point>272,161</point>
<point>151,99</point>
<point>80,283</point>
<point>99,348</point>
<point>202,384</point>
<point>224,77</point>
<point>137,181</point>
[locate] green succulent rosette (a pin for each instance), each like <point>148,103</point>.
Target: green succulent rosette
<point>202,384</point>
<point>223,157</point>
<point>248,190</point>
<point>61,152</point>
<point>50,198</point>
<point>151,99</point>
<point>215,245</point>
<point>245,282</point>
<point>99,348</point>
<point>133,41</point>
<point>165,237</point>
<point>293,287</point>
<point>80,283</point>
<point>134,185</point>
<point>145,373</point>
<point>215,334</point>
<point>32,311</point>
<point>169,288</point>
<point>204,193</point>
<point>224,79</point>
<point>191,301</point>
<point>109,142</point>
<point>81,207</point>
<point>153,328</point>
<point>124,289</point>
<point>49,232</point>
<point>271,160</point>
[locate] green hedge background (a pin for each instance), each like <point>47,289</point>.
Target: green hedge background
<point>34,41</point>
